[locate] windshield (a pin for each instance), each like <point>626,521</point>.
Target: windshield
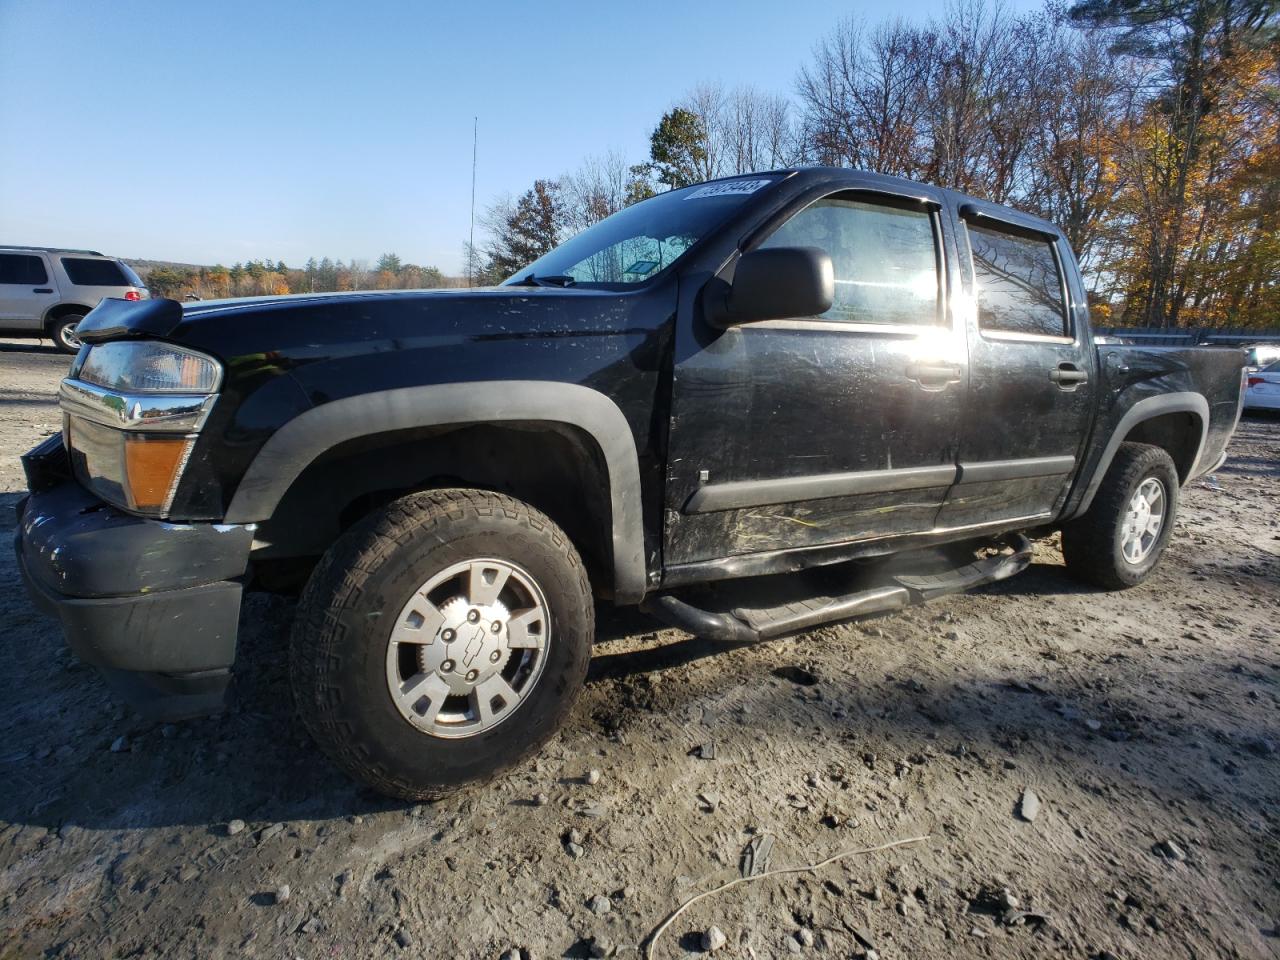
<point>634,244</point>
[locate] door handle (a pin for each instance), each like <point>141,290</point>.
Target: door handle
<point>1068,376</point>
<point>43,290</point>
<point>936,375</point>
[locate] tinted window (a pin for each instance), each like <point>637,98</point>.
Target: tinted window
<point>885,261</point>
<point>22,268</point>
<point>1018,286</point>
<point>130,275</point>
<point>94,273</point>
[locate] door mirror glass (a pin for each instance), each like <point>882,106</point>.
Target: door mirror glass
<point>779,283</point>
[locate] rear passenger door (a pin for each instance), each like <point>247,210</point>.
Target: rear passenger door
<point>796,434</point>
<point>26,290</point>
<point>1031,378</point>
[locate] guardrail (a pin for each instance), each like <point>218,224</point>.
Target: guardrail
<point>1192,336</point>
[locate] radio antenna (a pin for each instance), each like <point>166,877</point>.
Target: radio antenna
<point>471,243</point>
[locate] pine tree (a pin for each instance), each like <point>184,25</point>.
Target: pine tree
<point>531,230</point>
<point>678,149</point>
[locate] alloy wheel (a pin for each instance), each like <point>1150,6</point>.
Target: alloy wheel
<point>468,647</point>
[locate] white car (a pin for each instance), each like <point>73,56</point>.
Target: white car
<point>46,291</point>
<point>1262,391</point>
<point>1261,354</point>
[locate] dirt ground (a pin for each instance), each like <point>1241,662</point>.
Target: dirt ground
<point>1145,722</point>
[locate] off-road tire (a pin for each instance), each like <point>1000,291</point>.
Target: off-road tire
<point>1091,544</point>
<point>337,653</point>
<point>58,330</point>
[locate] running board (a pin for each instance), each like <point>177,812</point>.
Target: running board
<point>747,624</point>
<point>794,617</point>
<point>971,575</point>
<point>751,625</point>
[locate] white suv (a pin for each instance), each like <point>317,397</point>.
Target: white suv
<point>46,291</point>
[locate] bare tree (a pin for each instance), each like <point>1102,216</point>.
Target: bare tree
<point>953,102</point>
<point>706,101</point>
<point>1072,177</point>
<point>742,130</point>
<point>1018,82</point>
<point>756,132</point>
<point>601,186</point>
<point>865,97</point>
<point>977,49</point>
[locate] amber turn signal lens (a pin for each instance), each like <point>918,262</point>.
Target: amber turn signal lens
<point>151,466</point>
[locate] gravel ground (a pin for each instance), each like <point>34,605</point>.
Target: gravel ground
<point>1145,723</point>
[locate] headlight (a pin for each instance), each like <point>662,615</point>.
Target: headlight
<point>132,411</point>
<point>140,366</point>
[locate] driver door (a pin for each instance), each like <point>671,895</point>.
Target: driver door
<point>791,436</point>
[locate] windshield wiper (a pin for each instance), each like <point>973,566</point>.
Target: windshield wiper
<point>552,280</point>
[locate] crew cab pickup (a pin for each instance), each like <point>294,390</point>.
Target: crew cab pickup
<point>751,405</point>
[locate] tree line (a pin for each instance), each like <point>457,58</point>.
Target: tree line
<point>1148,130</point>
<point>265,278</point>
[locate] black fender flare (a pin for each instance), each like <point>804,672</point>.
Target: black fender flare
<point>300,441</point>
<point>1148,409</point>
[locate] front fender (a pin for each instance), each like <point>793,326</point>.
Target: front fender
<point>299,442</point>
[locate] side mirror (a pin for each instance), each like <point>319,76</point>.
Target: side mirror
<point>780,282</point>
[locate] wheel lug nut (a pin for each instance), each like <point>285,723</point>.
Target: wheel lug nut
<point>473,615</point>
<point>495,657</point>
<point>471,676</point>
<point>447,636</point>
<point>446,667</point>
<point>497,626</point>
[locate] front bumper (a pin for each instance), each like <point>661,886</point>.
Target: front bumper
<point>154,605</point>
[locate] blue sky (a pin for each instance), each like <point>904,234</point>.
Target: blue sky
<point>221,132</point>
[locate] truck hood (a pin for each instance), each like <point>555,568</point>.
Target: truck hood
<point>256,325</point>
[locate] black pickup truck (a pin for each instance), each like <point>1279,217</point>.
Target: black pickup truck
<point>751,405</point>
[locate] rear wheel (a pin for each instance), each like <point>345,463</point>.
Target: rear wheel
<point>63,332</point>
<point>441,640</point>
<point>1119,541</point>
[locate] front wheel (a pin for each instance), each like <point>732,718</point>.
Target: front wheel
<point>63,333</point>
<point>441,640</point>
<point>1119,541</point>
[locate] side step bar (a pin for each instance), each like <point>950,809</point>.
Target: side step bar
<point>752,626</point>
<point>810,613</point>
<point>975,574</point>
<point>749,625</point>
<point>718,627</point>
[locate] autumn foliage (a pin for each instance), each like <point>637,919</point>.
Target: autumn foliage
<point>1148,130</point>
<point>258,278</point>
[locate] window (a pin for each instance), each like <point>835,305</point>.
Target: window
<point>640,241</point>
<point>94,273</point>
<point>885,259</point>
<point>22,268</point>
<point>1017,283</point>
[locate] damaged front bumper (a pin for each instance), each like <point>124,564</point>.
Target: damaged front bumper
<point>153,605</point>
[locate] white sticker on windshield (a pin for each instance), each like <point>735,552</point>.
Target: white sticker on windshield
<point>728,187</point>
